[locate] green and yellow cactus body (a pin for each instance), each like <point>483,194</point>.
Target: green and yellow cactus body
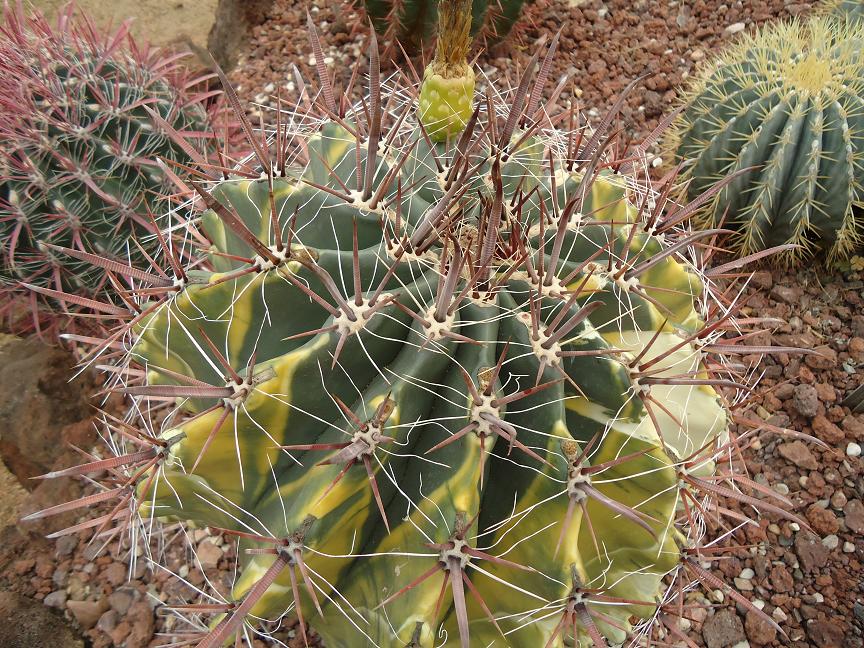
<point>486,406</point>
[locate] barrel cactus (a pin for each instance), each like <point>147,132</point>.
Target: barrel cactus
<point>412,22</point>
<point>440,393</point>
<point>83,119</point>
<point>782,112</point>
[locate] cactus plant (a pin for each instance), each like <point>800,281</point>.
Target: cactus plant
<point>781,111</point>
<point>852,10</point>
<point>412,22</point>
<point>79,145</point>
<point>452,391</point>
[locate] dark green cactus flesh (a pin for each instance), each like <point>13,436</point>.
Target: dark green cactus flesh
<point>784,111</point>
<point>413,22</point>
<point>441,394</point>
<point>79,147</point>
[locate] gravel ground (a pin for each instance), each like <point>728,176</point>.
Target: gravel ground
<point>604,46</point>
<point>810,583</point>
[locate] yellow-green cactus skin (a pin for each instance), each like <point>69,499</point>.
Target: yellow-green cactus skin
<point>447,90</point>
<point>445,102</point>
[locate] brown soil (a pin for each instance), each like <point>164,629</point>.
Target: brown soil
<point>161,22</point>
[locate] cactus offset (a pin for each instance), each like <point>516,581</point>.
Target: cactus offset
<point>452,387</point>
<point>782,110</point>
<point>412,22</point>
<point>79,148</point>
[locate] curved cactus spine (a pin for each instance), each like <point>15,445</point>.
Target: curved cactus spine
<point>471,388</point>
<point>84,119</point>
<point>782,112</point>
<point>412,22</point>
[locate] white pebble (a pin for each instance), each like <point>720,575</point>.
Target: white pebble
<point>779,615</point>
<point>746,573</point>
<point>853,449</point>
<point>830,541</point>
<point>848,547</point>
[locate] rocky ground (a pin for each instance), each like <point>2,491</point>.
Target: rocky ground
<point>810,582</point>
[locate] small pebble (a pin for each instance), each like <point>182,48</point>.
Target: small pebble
<point>848,547</point>
<point>853,449</point>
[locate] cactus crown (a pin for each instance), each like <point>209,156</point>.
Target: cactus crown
<point>780,114</point>
<point>434,389</point>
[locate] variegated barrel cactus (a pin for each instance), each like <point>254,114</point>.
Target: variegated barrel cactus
<point>441,393</point>
<point>781,113</point>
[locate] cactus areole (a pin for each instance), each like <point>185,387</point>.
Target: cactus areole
<point>440,393</point>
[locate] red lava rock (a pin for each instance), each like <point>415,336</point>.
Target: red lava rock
<point>87,613</point>
<point>854,426</point>
<point>854,512</point>
<point>759,631</point>
<point>798,453</point>
<point>208,554</point>
<point>856,349</point>
<point>822,520</point>
<point>825,634</point>
<point>115,573</point>
<point>827,358</point>
<point>781,579</point>
<point>723,629</point>
<point>825,392</point>
<point>141,618</point>
<point>119,633</point>
<point>786,294</point>
<point>811,552</point>
<point>826,431</point>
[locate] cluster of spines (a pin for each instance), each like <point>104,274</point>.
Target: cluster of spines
<point>139,468</point>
